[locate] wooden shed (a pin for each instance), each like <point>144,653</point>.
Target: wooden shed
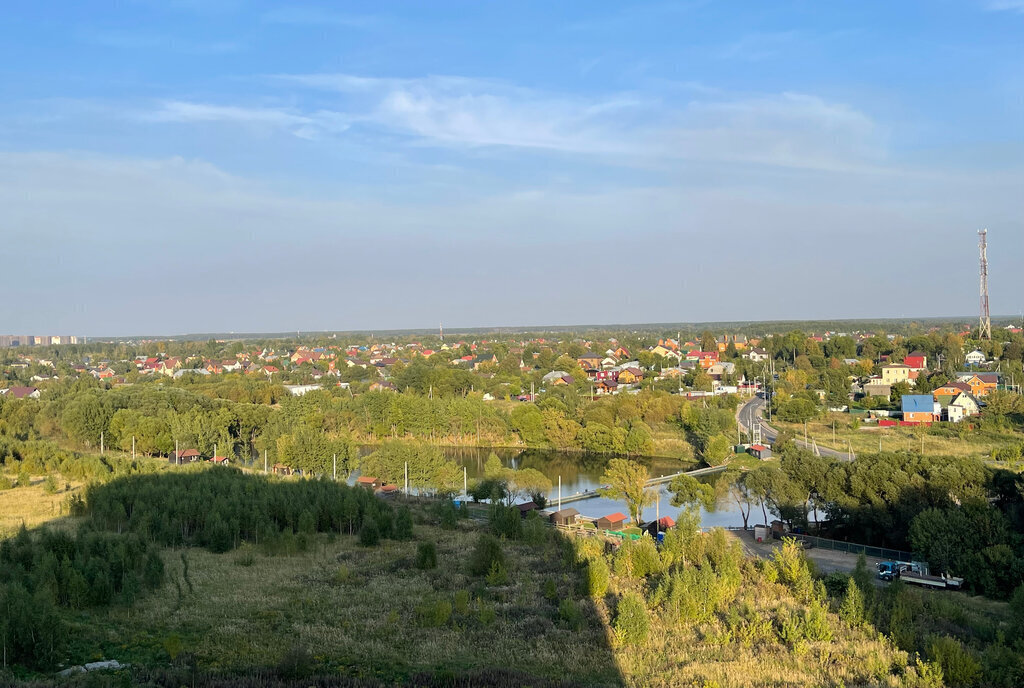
<point>565,517</point>
<point>525,508</point>
<point>281,469</point>
<point>612,521</point>
<point>368,481</point>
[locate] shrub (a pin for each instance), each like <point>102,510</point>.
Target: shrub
<point>852,609</point>
<point>307,522</point>
<point>598,577</point>
<point>447,514</point>
<point>434,614</point>
<point>426,556</point>
<point>485,555</point>
<point>153,570</point>
<point>959,667</point>
<point>5,482</point>
<point>462,602</point>
<point>534,530</point>
<point>498,575</point>
<point>487,614</point>
<point>369,535</point>
<point>632,624</point>
<point>570,614</point>
<point>24,477</point>
<point>50,486</point>
<point>550,590</point>
<point>506,522</point>
<point>403,524</point>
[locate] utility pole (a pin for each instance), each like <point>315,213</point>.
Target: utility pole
<point>406,478</point>
<point>465,481</point>
<point>264,462</point>
<point>133,447</point>
<point>559,493</point>
<point>335,471</point>
<point>101,444</point>
<point>985,325</point>
<point>177,454</point>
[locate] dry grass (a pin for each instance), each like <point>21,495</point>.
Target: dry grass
<point>362,622</point>
<point>247,610</point>
<point>32,506</point>
<point>866,438</point>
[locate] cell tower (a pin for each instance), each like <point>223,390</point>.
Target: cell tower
<point>985,328</point>
<point>440,329</point>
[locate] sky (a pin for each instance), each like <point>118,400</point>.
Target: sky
<point>177,166</point>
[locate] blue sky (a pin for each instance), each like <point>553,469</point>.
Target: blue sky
<point>171,166</point>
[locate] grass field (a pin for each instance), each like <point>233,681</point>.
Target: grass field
<point>32,506</point>
<point>865,439</point>
<point>363,613</point>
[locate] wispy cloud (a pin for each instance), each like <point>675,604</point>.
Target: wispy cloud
<point>1005,6</point>
<point>758,46</point>
<point>304,125</point>
<point>788,129</point>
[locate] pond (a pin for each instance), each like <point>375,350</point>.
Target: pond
<point>580,472</point>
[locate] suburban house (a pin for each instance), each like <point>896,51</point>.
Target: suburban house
<point>962,406</point>
<point>614,521</point>
<point>589,361</point>
<point>609,362</point>
<point>556,377</point>
<point>368,481</point>
<point>665,352</point>
<point>20,392</point>
<point>220,460</point>
<point>737,340</point>
<point>895,373</point>
<point>920,408</point>
<point>951,389</point>
<point>980,383</point>
<point>607,386</point>
<point>705,359</point>
<point>756,354</point>
<point>721,368</point>
<point>917,360</point>
<point>974,358</point>
<point>383,386</point>
<point>629,376</point>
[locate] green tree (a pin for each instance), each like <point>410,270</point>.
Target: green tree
<point>691,494</point>
<point>627,480</point>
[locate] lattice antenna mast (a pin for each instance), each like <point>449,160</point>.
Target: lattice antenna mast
<point>985,328</point>
<point>440,329</point>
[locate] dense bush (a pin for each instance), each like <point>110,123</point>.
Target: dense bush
<point>486,555</point>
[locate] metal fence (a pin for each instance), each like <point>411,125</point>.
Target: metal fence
<point>854,548</point>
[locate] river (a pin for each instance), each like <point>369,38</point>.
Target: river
<point>581,472</point>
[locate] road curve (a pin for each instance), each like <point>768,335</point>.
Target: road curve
<point>751,412</point>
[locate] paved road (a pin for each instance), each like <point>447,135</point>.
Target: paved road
<point>750,413</point>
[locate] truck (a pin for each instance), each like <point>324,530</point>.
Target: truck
<point>916,573</point>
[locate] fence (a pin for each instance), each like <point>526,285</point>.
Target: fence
<point>854,548</point>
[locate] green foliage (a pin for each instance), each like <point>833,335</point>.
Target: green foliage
<point>570,614</point>
<point>959,666</point>
<point>632,623</point>
<point>506,522</point>
<point>434,614</point>
<point>486,554</point>
<point>852,609</point>
<point>426,555</point>
<point>498,575</point>
<point>369,533</point>
<point>627,481</point>
<point>598,577</point>
<point>5,482</point>
<point>403,524</point>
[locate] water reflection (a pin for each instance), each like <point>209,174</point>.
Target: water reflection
<point>581,472</point>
